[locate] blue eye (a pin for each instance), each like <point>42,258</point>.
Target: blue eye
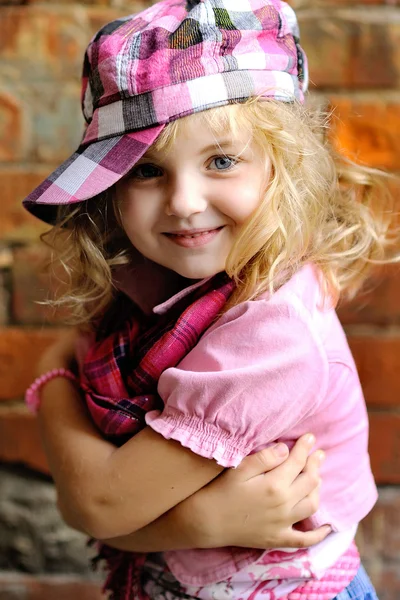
<point>223,163</point>
<point>146,171</point>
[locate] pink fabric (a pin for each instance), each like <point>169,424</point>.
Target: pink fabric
<point>337,579</point>
<point>286,575</point>
<point>267,370</point>
<point>143,71</point>
<point>270,369</point>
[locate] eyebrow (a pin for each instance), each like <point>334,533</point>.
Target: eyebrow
<point>226,143</point>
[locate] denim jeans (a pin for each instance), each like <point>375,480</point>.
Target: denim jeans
<point>360,588</point>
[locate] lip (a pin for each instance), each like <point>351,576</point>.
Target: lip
<point>202,236</point>
<point>192,231</point>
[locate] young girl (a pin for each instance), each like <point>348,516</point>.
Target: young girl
<point>207,232</point>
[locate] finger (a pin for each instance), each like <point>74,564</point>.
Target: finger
<point>287,472</point>
<point>309,479</point>
<point>314,462</point>
<point>261,462</point>
<point>303,486</point>
<point>305,539</point>
<point>307,507</point>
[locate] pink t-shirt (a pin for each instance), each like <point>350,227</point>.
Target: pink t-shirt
<point>269,369</point>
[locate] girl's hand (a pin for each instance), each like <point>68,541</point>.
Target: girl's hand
<point>257,504</point>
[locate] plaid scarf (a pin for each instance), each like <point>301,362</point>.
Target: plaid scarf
<point>122,372</point>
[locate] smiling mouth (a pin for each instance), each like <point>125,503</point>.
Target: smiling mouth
<point>192,233</point>
<point>193,238</point>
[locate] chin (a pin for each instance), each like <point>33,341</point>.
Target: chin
<point>198,273</point>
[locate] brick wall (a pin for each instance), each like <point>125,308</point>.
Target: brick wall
<point>354,53</point>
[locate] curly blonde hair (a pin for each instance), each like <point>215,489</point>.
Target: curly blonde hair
<point>318,207</point>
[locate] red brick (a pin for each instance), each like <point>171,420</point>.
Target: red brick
<point>385,576</point>
<point>4,299</point>
<point>378,304</point>
<point>44,42</point>
<point>297,4</point>
<point>367,131</point>
<point>385,446</point>
<point>15,184</point>
<point>20,439</point>
<point>351,47</point>
<point>378,540</point>
<point>14,137</point>
<point>31,285</point>
<point>378,363</point>
<point>99,15</point>
<point>85,2</point>
<point>57,123</point>
<point>19,352</point>
<point>52,122</point>
<point>381,529</point>
<point>5,284</point>
<point>16,586</point>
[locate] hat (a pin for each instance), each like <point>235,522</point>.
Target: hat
<point>174,59</point>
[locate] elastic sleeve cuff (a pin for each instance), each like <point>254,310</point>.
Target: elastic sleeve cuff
<point>202,438</point>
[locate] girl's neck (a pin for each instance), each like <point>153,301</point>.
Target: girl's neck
<point>147,283</point>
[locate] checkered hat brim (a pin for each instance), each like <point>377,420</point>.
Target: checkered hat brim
<point>92,169</point>
<point>172,60</point>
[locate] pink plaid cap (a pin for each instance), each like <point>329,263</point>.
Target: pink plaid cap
<point>174,59</point>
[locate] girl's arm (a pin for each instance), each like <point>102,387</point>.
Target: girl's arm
<point>96,481</point>
<point>254,505</point>
<point>89,484</point>
<point>250,506</point>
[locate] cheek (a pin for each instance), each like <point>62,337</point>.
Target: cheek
<point>130,213</point>
<point>244,200</point>
<point>136,214</point>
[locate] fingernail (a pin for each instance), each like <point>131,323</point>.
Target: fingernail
<point>321,456</point>
<point>281,450</point>
<point>327,528</point>
<point>310,439</point>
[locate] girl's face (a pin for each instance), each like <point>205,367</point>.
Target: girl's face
<point>183,208</point>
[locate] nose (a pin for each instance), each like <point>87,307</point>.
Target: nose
<point>185,197</point>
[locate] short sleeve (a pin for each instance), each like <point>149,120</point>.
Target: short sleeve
<point>253,376</point>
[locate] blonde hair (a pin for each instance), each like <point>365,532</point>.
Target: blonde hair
<point>318,207</point>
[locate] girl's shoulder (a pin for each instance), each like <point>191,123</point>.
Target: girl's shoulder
<point>303,288</point>
<point>297,310</point>
<point>300,298</point>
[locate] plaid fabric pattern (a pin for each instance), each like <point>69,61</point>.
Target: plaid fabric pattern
<point>120,376</point>
<point>122,371</point>
<point>174,59</point>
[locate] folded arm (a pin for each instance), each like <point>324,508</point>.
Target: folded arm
<point>114,491</point>
<point>255,505</point>
<point>111,492</point>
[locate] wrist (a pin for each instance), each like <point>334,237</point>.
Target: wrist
<point>33,393</point>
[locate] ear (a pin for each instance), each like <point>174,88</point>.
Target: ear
<point>191,4</point>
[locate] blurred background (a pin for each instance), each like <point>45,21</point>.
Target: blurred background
<point>354,54</point>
